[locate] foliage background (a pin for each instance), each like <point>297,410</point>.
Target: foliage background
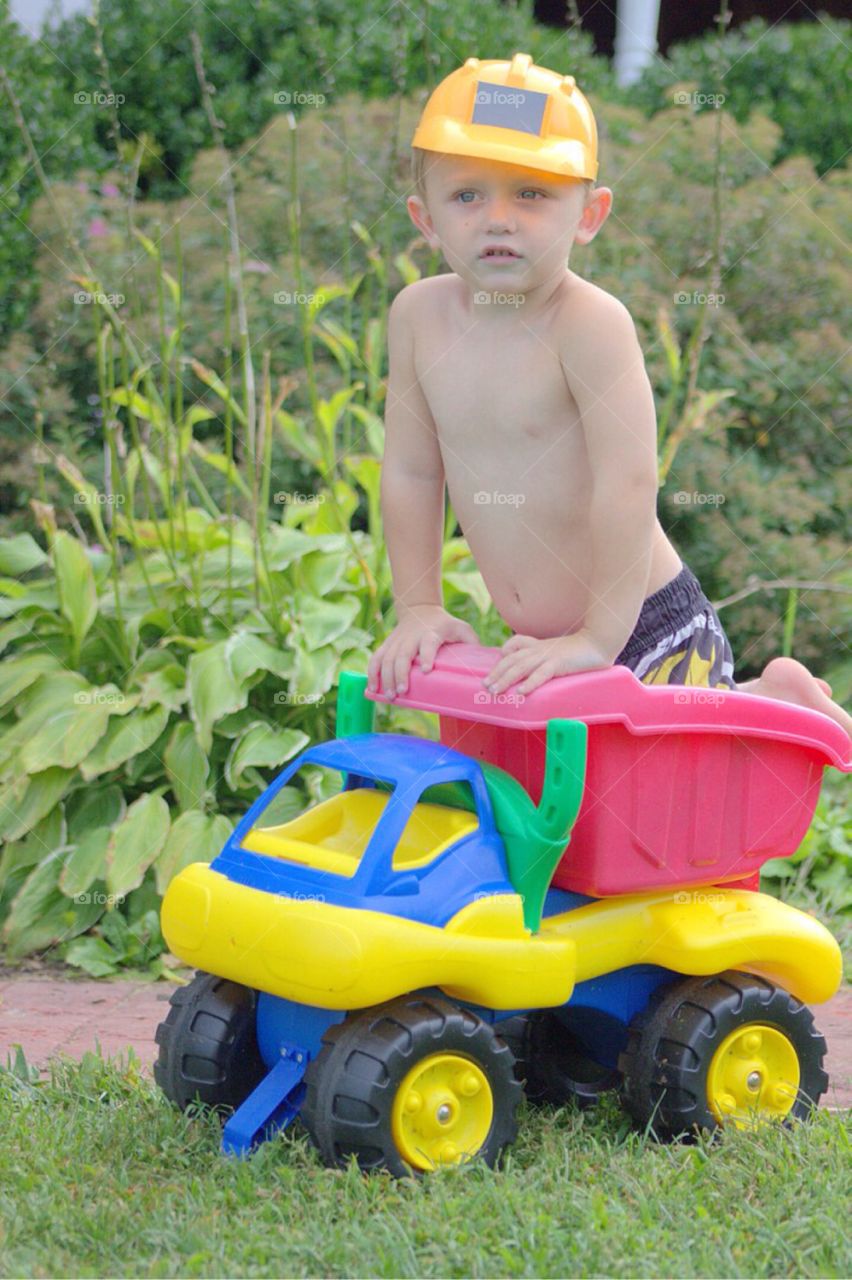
<point>188,562</point>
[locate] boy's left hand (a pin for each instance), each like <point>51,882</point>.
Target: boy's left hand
<point>535,661</point>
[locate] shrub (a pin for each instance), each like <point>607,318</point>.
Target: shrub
<point>797,73</point>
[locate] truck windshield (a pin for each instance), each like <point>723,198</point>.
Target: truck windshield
<point>332,833</point>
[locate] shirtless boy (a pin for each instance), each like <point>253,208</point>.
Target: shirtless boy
<point>522,388</point>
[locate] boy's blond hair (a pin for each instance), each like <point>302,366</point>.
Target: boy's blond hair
<point>420,165</point>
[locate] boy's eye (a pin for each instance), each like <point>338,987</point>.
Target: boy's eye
<point>461,195</point>
<point>531,191</point>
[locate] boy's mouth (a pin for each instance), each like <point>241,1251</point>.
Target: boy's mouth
<point>500,252</point>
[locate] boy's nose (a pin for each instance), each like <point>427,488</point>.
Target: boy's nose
<point>500,216</point>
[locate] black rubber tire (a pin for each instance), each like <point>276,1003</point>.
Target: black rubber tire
<point>352,1083</point>
<point>208,1044</point>
<point>553,1063</point>
<point>671,1044</point>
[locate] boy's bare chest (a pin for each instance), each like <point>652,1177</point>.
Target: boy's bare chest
<point>497,392</point>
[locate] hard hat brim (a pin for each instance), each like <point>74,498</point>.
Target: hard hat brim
<point>565,157</point>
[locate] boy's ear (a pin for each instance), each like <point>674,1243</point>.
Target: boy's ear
<point>419,215</point>
<point>594,215</point>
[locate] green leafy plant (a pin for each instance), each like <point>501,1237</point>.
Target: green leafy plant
<point>797,73</point>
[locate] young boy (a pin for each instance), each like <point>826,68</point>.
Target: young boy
<point>522,388</point>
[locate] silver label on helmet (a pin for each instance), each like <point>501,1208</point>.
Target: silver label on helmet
<point>521,109</point>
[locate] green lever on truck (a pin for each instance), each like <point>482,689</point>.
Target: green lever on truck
<point>535,836</point>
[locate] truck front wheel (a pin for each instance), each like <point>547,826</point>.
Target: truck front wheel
<point>208,1044</point>
<point>410,1085</point>
<point>729,1049</point>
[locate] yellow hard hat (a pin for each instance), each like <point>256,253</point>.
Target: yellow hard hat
<point>514,112</point>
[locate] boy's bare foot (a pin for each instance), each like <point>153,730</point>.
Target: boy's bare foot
<point>788,680</point>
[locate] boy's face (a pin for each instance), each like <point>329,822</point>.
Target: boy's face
<point>474,208</point>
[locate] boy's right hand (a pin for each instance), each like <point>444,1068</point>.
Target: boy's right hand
<point>422,631</point>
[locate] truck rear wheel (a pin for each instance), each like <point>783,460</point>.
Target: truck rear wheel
<point>410,1085</point>
<point>729,1049</point>
<point>208,1044</point>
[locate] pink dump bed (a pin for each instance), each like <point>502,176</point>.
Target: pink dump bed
<point>683,785</point>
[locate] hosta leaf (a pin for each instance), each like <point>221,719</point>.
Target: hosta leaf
<point>214,691</point>
<point>29,799</point>
<point>17,674</point>
<point>187,767</point>
<point>78,594</point>
<point>90,807</point>
<point>45,836</point>
<point>283,546</point>
<point>321,571</point>
<point>322,621</point>
<point>125,738</point>
<point>314,674</point>
<point>265,745</point>
<point>249,653</point>
<point>194,837</point>
<point>41,916</point>
<point>165,686</point>
<point>135,843</point>
<point>71,731</point>
<point>94,956</point>
<point>85,862</point>
<point>20,554</point>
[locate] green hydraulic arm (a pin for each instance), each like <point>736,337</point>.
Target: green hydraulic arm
<point>535,836</point>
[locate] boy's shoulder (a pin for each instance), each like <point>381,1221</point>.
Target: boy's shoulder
<point>594,327</point>
<point>423,292</point>
<point>582,301</point>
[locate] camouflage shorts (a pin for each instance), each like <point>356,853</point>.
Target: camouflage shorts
<point>678,639</point>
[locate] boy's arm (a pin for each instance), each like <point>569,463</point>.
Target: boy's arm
<point>412,494</point>
<point>608,380</point>
<point>412,473</point>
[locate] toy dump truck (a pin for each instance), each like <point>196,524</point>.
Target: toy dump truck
<point>561,891</point>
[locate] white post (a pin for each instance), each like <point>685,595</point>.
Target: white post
<point>635,38</point>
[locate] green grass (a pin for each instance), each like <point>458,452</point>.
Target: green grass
<point>100,1176</point>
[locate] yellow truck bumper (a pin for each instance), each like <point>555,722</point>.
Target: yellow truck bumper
<point>314,952</point>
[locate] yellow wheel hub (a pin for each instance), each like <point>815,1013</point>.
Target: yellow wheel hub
<point>442,1111</point>
<point>754,1073</point>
